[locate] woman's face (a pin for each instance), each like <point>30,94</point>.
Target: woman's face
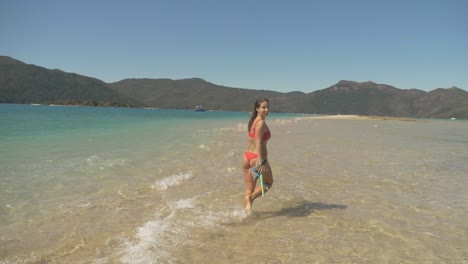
<point>263,109</point>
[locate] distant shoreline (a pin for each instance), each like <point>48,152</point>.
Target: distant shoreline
<point>305,115</point>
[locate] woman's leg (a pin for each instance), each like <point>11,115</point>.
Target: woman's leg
<point>249,185</point>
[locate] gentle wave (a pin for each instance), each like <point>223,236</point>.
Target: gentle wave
<point>173,180</point>
<point>102,163</point>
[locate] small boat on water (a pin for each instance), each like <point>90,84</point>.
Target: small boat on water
<point>199,108</point>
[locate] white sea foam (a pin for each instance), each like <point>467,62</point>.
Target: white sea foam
<point>184,204</point>
<point>85,205</point>
<point>216,220</point>
<point>170,181</point>
<point>149,242</point>
<point>201,146</point>
<point>155,240</point>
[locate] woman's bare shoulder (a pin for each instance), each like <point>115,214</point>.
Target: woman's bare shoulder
<point>260,124</point>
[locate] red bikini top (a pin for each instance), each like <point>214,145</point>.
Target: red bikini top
<point>266,135</point>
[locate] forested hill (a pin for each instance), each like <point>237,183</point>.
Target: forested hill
<point>186,93</point>
<point>25,83</point>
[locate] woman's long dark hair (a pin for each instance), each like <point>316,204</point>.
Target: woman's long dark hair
<point>258,102</point>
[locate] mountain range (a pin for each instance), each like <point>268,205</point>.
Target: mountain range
<point>26,83</point>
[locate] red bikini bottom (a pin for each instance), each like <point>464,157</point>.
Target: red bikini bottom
<point>250,155</point>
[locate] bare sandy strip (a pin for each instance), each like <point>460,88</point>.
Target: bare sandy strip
<point>357,117</point>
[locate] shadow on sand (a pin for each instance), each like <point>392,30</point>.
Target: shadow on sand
<point>301,208</point>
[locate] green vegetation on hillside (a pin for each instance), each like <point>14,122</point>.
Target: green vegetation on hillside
<point>24,83</point>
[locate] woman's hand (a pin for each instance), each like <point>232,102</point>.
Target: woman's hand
<point>261,169</point>
<point>261,166</point>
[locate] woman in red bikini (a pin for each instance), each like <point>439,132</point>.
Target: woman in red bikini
<point>256,154</point>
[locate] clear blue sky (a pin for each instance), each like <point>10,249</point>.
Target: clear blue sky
<point>257,44</point>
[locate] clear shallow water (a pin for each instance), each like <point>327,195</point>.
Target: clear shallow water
<point>100,185</point>
<point>62,153</point>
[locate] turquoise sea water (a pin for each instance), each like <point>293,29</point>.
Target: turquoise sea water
<point>45,147</point>
<point>116,185</point>
<point>55,155</point>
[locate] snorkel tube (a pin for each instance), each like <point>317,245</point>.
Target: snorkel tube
<point>261,183</point>
<point>255,176</point>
